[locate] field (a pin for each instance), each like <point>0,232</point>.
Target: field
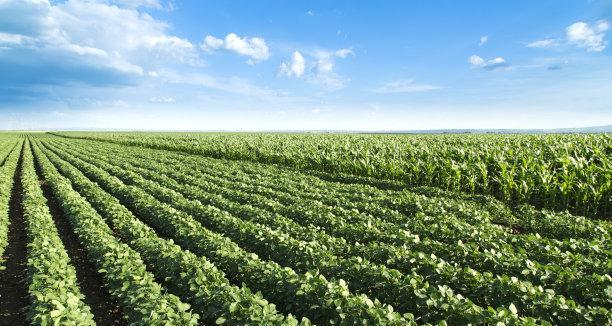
<point>305,229</point>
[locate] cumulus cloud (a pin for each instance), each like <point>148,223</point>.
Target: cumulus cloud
<point>483,40</point>
<point>212,43</point>
<point>476,60</point>
<point>586,36</point>
<point>404,86</point>
<point>580,34</point>
<point>89,42</point>
<point>493,64</point>
<point>295,67</point>
<point>255,47</point>
<point>317,68</point>
<point>323,70</point>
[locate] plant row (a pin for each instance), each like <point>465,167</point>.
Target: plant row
<point>484,288</point>
<point>553,171</point>
<point>572,284</point>
<point>142,299</point>
<point>489,236</point>
<point>306,295</point>
<point>523,218</point>
<point>55,297</point>
<point>189,276</point>
<point>7,174</point>
<point>386,205</point>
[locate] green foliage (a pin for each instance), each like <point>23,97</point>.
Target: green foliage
<point>498,291</point>
<point>306,295</point>
<point>194,278</point>
<point>143,300</point>
<point>9,155</point>
<point>52,282</point>
<point>553,171</point>
<point>340,230</point>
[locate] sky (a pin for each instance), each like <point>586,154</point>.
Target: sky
<point>304,65</point>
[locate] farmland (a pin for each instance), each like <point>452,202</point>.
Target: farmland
<point>305,229</point>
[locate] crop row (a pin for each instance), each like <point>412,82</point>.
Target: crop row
<point>143,300</point>
<point>192,277</point>
<point>540,301</point>
<point>55,297</point>
<point>6,148</point>
<point>375,203</point>
<point>404,292</point>
<point>485,287</point>
<point>309,295</point>
<point>546,223</point>
<point>10,156</point>
<point>521,219</point>
<point>565,281</point>
<point>554,171</point>
<point>415,211</point>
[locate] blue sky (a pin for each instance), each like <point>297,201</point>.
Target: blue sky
<point>286,65</point>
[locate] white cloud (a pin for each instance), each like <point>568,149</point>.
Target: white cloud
<point>343,53</point>
<point>483,40</point>
<point>404,86</point>
<point>579,34</point>
<point>323,70</point>
<point>476,60</point>
<point>317,68</point>
<point>316,110</point>
<point>8,38</point>
<point>545,43</point>
<point>85,50</point>
<point>323,73</point>
<point>493,64</point>
<point>212,43</point>
<point>255,47</point>
<point>602,25</point>
<point>180,49</point>
<point>88,38</point>
<point>311,13</point>
<point>295,67</point>
<point>128,32</point>
<point>589,37</point>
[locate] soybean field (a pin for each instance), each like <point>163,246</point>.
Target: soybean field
<point>136,228</point>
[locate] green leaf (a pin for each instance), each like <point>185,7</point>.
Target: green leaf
<point>513,308</point>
